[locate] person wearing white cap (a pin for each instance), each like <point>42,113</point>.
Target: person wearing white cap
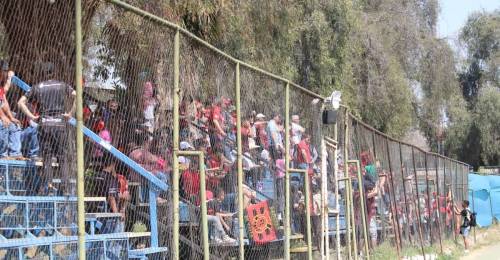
<point>186,146</point>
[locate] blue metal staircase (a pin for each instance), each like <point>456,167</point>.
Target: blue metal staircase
<point>34,226</point>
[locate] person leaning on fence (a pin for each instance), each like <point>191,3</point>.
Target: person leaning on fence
<point>465,213</point>
<point>10,131</point>
<point>56,104</point>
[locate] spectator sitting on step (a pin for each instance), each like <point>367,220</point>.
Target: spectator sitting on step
<point>217,218</point>
<point>141,154</point>
<point>110,184</point>
<point>10,131</point>
<point>29,134</point>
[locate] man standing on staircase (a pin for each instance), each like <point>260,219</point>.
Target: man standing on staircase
<point>55,101</point>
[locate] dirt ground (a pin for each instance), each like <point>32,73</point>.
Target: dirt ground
<point>487,245</point>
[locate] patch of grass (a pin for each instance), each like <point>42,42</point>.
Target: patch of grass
<point>384,251</point>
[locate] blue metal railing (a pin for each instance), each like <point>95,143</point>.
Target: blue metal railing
<point>156,184</point>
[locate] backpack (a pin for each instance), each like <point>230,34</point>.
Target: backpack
<point>472,221</point>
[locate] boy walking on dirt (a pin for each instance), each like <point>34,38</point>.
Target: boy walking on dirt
<point>465,213</point>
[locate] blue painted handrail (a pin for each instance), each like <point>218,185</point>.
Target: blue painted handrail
<point>115,152</point>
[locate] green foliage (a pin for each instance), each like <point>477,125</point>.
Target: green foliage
<point>487,121</point>
<point>383,55</point>
<point>473,135</point>
<point>481,39</point>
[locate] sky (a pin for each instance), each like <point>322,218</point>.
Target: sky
<point>454,13</point>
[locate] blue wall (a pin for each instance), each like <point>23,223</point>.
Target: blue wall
<point>484,195</point>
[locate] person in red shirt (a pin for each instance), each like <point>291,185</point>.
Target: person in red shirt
<point>304,159</point>
<point>190,184</point>
<point>216,127</point>
<point>260,131</point>
<point>218,168</point>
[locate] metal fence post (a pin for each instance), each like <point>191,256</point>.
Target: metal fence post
<point>287,172</point>
<point>394,205</point>
<point>429,224</point>
<point>438,206</point>
<point>363,206</point>
<point>407,211</point>
<point>337,206</point>
<point>324,246</point>
<point>419,223</point>
<point>453,219</point>
<point>347,186</point>
<point>241,226</point>
<point>175,163</point>
<point>79,133</point>
<point>308,201</point>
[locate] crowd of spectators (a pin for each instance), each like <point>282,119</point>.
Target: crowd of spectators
<point>209,127</point>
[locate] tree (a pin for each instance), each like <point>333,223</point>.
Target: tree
<point>474,135</point>
<point>487,122</point>
<point>481,39</point>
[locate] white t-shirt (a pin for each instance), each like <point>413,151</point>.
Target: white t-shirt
<point>149,112</point>
<point>297,131</point>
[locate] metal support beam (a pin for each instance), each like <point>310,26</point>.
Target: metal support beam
<point>287,173</point>
<point>351,243</point>
<point>203,199</point>
<point>307,199</point>
<point>175,159</point>
<point>362,205</point>
<point>394,205</point>
<point>241,227</point>
<point>419,214</point>
<point>438,213</point>
<point>80,168</point>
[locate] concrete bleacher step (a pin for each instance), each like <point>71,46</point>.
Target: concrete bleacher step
<point>98,215</point>
<point>104,222</point>
<point>295,250</point>
<point>333,212</point>
<point>144,252</point>
<point>23,242</point>
<point>296,236</point>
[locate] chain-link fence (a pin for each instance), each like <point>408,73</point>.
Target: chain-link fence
<point>190,153</point>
